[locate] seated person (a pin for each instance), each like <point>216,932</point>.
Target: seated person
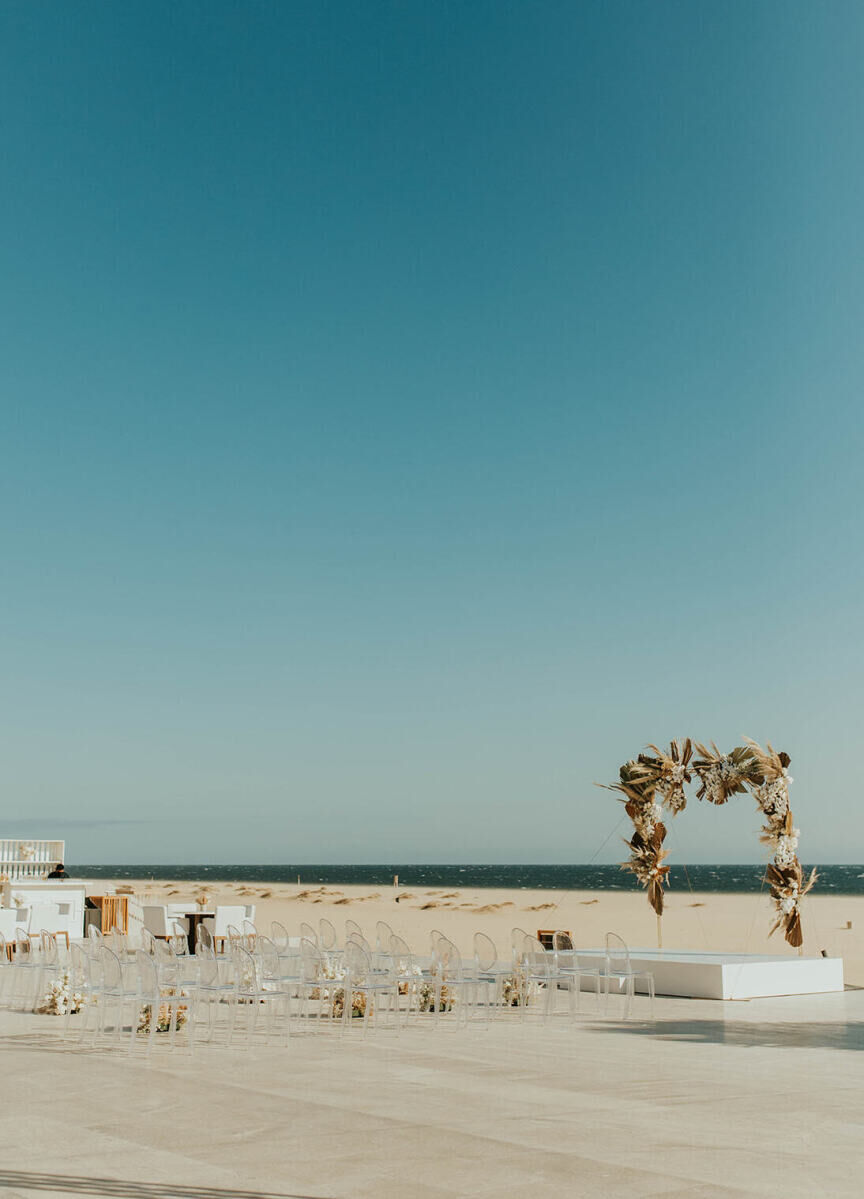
<point>58,872</point>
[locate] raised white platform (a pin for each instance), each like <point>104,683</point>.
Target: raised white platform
<point>692,975</point>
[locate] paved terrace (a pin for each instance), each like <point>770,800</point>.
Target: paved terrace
<point>713,1100</point>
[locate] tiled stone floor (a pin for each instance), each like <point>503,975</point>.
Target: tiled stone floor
<point>711,1100</point>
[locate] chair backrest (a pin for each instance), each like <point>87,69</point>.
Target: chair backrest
<point>245,972</point>
<point>163,952</point>
<point>147,941</point>
<point>249,928</point>
<point>617,953</point>
<point>179,941</point>
<point>208,966</point>
<point>537,959</point>
<point>268,957</point>
<point>448,960</point>
<point>279,936</point>
<point>4,952</point>
<point>383,933</point>
<point>49,947</point>
<point>358,963</point>
<point>203,939</point>
<point>434,937</point>
<point>118,941</point>
<point>79,967</point>
<point>327,938</point>
<point>312,960</point>
<point>94,932</point>
<point>23,947</point>
<point>148,976</point>
<point>485,953</point>
<point>359,940</point>
<point>351,926</point>
<point>226,915</point>
<point>517,943</point>
<point>156,920</point>
<point>112,973</point>
<point>401,956</point>
<point>562,941</point>
<point>307,931</point>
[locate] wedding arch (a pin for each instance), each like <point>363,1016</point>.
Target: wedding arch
<point>661,776</point>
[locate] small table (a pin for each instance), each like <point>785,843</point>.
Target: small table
<point>195,918</point>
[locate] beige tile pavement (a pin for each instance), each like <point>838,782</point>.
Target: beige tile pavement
<point>712,1100</point>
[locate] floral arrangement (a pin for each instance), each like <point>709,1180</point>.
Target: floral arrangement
<point>61,997</point>
<point>163,1019</point>
<point>334,971</point>
<point>426,997</point>
<point>661,775</point>
<point>638,782</point>
<point>26,851</point>
<point>784,875</point>
<point>359,1001</point>
<point>512,989</point>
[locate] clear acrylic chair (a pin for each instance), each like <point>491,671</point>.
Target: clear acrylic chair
<point>316,986</point>
<point>94,933</point>
<point>364,990</point>
<point>82,990</point>
<point>539,976</point>
<point>452,986</point>
<point>275,966</point>
<point>572,968</point>
<point>254,993</point>
<point>157,1005</point>
<point>26,968</point>
<point>116,993</point>
<point>214,989</point>
<point>490,972</point>
<point>49,960</point>
<point>412,981</point>
<point>351,926</point>
<point>618,968</point>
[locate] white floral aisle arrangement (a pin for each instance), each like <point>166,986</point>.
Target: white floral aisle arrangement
<point>61,998</point>
<point>656,780</point>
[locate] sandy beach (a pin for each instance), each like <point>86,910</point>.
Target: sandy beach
<point>695,920</point>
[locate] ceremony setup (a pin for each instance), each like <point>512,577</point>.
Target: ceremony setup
<point>211,973</point>
<point>655,781</point>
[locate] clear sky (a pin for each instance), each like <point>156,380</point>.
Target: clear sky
<point>409,410</point>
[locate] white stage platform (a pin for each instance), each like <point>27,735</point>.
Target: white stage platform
<point>694,975</point>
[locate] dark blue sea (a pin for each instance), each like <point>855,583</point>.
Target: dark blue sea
<point>837,880</point>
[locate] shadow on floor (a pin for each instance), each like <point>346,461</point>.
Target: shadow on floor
<point>836,1035</point>
<point>29,1181</point>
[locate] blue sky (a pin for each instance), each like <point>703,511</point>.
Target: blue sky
<point>409,410</point>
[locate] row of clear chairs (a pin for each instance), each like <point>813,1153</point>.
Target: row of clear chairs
<point>261,982</point>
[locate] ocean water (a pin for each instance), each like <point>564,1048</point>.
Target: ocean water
<point>833,880</point>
